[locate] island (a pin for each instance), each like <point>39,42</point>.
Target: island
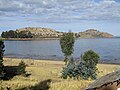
<point>31,33</point>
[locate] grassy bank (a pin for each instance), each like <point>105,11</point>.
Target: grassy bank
<point>42,70</point>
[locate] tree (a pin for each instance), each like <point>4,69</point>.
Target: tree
<point>3,34</point>
<point>30,35</point>
<point>91,58</point>
<point>9,34</point>
<point>25,34</point>
<point>67,43</point>
<point>1,59</point>
<point>15,34</point>
<point>21,68</point>
<point>12,34</point>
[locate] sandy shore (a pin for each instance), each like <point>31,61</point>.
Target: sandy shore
<point>29,62</point>
<point>60,61</point>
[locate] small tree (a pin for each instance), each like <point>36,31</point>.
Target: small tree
<point>90,57</point>
<point>21,68</point>
<point>67,43</point>
<point>91,60</point>
<point>1,59</point>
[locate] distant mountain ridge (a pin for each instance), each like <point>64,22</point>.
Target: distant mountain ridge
<point>38,32</point>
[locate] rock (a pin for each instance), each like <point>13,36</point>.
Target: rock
<point>111,80</point>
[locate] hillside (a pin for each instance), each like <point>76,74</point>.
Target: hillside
<point>41,32</point>
<point>92,33</point>
<point>38,32</point>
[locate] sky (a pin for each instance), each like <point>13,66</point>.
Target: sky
<point>61,15</point>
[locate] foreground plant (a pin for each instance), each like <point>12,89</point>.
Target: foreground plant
<point>67,43</point>
<point>1,59</point>
<point>21,68</point>
<point>84,69</point>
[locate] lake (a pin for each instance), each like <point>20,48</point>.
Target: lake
<point>108,49</point>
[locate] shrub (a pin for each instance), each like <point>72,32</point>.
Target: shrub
<point>1,59</point>
<point>78,71</point>
<point>91,58</point>
<point>68,71</point>
<point>84,72</point>
<point>83,69</point>
<point>67,43</point>
<point>21,68</point>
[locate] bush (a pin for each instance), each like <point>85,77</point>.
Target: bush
<point>21,68</point>
<point>78,71</point>
<point>1,59</point>
<point>91,58</point>
<point>68,71</point>
<point>85,72</point>
<point>83,69</point>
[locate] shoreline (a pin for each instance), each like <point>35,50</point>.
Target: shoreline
<point>27,39</point>
<point>52,60</point>
<point>44,38</point>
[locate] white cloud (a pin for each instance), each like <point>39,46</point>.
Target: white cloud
<point>62,10</point>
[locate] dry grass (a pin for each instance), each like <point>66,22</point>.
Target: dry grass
<point>43,69</point>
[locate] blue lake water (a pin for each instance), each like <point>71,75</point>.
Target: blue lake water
<point>108,49</point>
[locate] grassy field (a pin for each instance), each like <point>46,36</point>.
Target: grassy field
<point>42,70</point>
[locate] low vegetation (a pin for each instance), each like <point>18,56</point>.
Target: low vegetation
<point>43,70</point>
<point>21,68</point>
